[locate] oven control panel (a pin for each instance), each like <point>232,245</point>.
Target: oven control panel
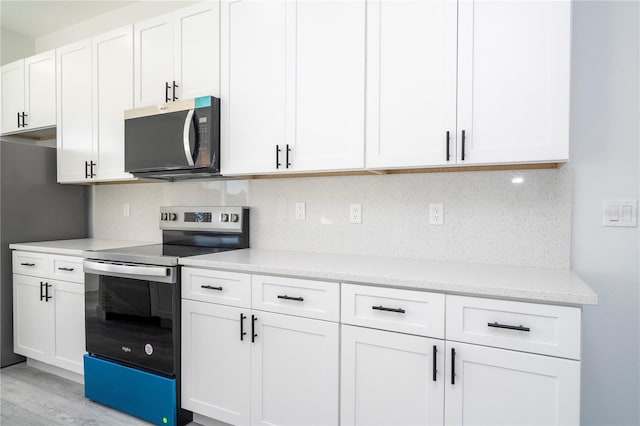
<point>229,219</point>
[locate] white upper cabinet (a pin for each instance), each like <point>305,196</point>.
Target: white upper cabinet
<point>74,118</point>
<point>329,85</point>
<point>112,95</point>
<point>292,83</point>
<point>513,81</point>
<point>411,83</point>
<point>177,55</point>
<point>95,87</point>
<point>29,93</point>
<point>253,116</point>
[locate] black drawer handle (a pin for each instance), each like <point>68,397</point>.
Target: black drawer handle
<point>435,363</point>
<point>284,296</point>
<point>253,328</point>
<point>384,308</point>
<point>28,264</point>
<point>453,366</point>
<point>210,287</point>
<point>242,332</point>
<point>508,327</point>
<point>62,268</point>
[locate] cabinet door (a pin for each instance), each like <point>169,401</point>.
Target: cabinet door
<point>254,111</point>
<point>12,95</point>
<point>74,111</point>
<point>295,371</point>
<point>197,50</point>
<point>411,83</point>
<point>513,81</point>
<point>112,95</point>
<point>40,90</point>
<point>67,325</point>
<point>216,363</point>
<point>153,60</point>
<point>31,318</point>
<point>329,90</point>
<point>502,387</point>
<point>388,378</point>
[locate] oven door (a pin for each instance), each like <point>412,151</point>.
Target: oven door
<point>132,314</point>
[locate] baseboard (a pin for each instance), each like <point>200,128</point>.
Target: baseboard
<point>79,378</point>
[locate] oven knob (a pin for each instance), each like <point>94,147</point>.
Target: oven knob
<point>233,217</point>
<point>173,216</point>
<point>163,216</point>
<point>148,349</point>
<point>224,217</point>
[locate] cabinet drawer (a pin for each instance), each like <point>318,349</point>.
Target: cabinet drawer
<point>530,327</point>
<point>406,311</point>
<point>305,298</point>
<point>225,288</point>
<point>66,268</point>
<point>29,263</point>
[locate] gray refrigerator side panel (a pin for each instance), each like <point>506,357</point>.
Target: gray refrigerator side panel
<point>33,207</point>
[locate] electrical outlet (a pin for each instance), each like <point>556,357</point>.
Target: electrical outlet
<point>126,210</point>
<point>301,210</point>
<point>355,213</point>
<point>436,214</point>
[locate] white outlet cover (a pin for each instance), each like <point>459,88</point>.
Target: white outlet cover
<point>355,213</point>
<point>301,210</point>
<point>436,214</point>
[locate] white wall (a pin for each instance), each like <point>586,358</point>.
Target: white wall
<point>14,46</point>
<point>605,139</point>
<point>487,218</point>
<point>107,21</point>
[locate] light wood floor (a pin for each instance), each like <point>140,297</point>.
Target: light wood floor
<point>31,397</point>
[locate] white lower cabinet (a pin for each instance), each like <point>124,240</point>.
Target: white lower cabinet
<point>48,321</point>
<point>245,366</point>
<point>391,378</point>
<point>492,386</point>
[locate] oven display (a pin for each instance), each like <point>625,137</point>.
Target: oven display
<point>197,217</point>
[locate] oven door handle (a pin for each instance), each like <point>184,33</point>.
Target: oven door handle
<point>133,270</point>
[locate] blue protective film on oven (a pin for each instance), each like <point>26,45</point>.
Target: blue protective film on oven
<point>136,392</point>
<point>203,102</point>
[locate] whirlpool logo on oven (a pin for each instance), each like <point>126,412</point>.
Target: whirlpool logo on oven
<point>126,349</point>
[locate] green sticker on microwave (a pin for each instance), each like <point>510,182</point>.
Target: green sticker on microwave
<point>203,102</point>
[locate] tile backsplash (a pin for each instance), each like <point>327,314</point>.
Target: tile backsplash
<point>487,218</point>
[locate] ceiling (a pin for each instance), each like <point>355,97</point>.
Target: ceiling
<point>36,18</point>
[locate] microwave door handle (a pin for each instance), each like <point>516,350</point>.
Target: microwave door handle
<point>185,137</point>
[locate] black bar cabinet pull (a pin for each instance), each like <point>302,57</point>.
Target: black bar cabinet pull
<point>384,308</point>
<point>463,143</point>
<point>175,98</point>
<point>27,264</point>
<point>253,328</point>
<point>62,268</point>
<point>278,157</point>
<point>453,366</point>
<point>508,327</point>
<point>92,164</point>
<point>86,169</point>
<point>448,153</point>
<point>210,287</point>
<point>435,370</point>
<point>41,286</point>
<point>284,296</point>
<point>19,120</point>
<point>24,124</point>
<point>46,292</point>
<point>166,91</point>
<point>287,157</point>
<point>242,332</point>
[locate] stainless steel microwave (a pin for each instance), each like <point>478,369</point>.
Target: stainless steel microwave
<point>173,141</point>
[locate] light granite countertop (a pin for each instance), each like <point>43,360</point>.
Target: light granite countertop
<point>558,286</point>
<point>75,247</point>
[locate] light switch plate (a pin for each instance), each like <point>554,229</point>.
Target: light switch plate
<point>301,210</point>
<point>620,213</point>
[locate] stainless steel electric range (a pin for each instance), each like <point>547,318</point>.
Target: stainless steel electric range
<point>132,311</point>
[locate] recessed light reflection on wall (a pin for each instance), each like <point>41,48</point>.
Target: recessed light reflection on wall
<point>517,180</point>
